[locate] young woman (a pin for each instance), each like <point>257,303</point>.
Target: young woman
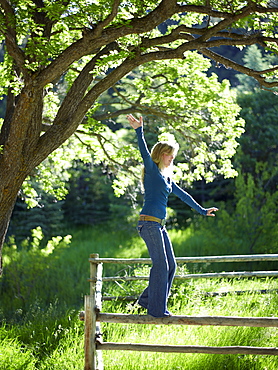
<point>157,186</point>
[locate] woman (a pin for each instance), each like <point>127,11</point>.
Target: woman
<point>158,186</point>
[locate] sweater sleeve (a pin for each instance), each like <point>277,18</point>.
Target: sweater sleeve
<point>187,198</point>
<point>145,154</point>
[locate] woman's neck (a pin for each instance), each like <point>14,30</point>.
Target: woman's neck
<point>167,172</point>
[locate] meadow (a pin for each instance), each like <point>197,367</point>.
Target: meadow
<point>42,292</point>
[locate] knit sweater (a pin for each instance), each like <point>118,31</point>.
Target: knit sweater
<point>157,187</point>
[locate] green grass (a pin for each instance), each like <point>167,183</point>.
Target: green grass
<point>41,330</point>
<point>188,300</point>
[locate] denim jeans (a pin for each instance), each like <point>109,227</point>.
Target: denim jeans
<point>154,297</point>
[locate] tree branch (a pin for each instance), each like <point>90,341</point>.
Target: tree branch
<point>91,41</point>
<point>101,25</point>
<point>248,71</point>
<point>221,38</point>
<point>206,10</point>
<point>119,112</point>
<point>137,107</point>
<point>10,37</point>
<point>253,39</point>
<point>74,107</point>
<point>245,11</point>
<point>102,139</point>
<point>80,85</point>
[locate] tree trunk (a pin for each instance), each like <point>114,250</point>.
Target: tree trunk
<point>19,136</point>
<point>9,188</point>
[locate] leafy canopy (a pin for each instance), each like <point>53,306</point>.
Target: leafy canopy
<point>68,54</point>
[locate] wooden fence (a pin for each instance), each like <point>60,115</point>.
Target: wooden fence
<point>93,316</point>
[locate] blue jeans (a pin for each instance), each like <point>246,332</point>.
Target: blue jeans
<point>154,297</point>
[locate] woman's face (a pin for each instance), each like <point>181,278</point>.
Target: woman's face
<point>167,159</point>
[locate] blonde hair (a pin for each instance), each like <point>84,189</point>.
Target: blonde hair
<point>157,151</point>
<point>160,148</point>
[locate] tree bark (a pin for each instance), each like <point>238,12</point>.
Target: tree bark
<point>10,185</point>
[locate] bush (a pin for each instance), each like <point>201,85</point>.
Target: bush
<point>251,228</point>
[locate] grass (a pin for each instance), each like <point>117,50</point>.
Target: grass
<point>41,330</point>
<point>187,300</point>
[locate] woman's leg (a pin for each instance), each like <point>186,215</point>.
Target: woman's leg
<point>154,297</point>
<point>170,258</point>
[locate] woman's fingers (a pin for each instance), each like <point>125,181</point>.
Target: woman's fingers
<point>211,210</point>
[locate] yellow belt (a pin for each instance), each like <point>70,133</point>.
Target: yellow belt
<point>151,218</point>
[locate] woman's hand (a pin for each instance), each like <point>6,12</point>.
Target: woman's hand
<point>134,123</point>
<point>211,210</point>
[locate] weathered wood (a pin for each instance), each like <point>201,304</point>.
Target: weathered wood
<point>98,286</point>
<point>90,330</point>
<point>91,326</point>
<point>239,292</point>
<point>121,298</point>
<point>189,320</point>
<point>99,358</point>
<point>93,273</point>
<point>244,350</point>
<point>205,259</point>
<point>199,276</point>
<point>206,294</point>
<point>95,361</point>
<point>98,302</point>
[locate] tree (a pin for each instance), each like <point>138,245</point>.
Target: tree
<point>254,59</point>
<point>258,149</point>
<point>92,45</point>
<point>258,145</point>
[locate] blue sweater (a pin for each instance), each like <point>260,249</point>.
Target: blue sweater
<point>157,187</point>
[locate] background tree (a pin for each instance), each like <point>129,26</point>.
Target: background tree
<point>253,58</point>
<point>248,219</point>
<point>92,46</point>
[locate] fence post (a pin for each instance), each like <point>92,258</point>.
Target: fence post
<point>93,358</point>
<point>98,307</point>
<point>90,329</point>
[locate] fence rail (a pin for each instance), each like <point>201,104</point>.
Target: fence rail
<point>204,259</point>
<point>93,315</point>
<point>261,322</point>
<point>231,350</point>
<point>197,276</point>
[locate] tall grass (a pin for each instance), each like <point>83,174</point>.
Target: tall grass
<point>187,299</point>
<point>41,330</point>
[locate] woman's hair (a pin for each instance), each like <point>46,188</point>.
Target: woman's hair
<point>157,151</point>
<point>160,148</point>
